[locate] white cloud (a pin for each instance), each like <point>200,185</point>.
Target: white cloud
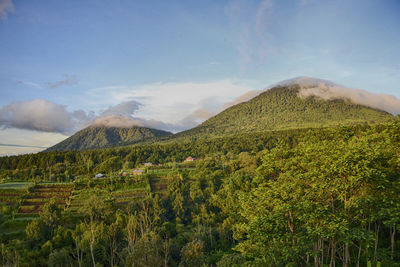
<point>6,6</point>
<point>252,33</point>
<point>166,106</point>
<point>41,115</point>
<point>172,103</point>
<point>384,102</point>
<point>329,90</point>
<point>31,84</point>
<point>67,80</point>
<point>126,108</point>
<point>129,121</point>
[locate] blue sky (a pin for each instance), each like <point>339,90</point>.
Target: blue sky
<point>174,63</point>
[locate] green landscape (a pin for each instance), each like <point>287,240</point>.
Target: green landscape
<point>229,133</point>
<point>319,187</point>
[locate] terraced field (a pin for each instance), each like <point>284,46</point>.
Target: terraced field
<point>12,194</point>
<point>159,185</point>
<point>42,193</point>
<point>123,197</point>
<point>22,203</point>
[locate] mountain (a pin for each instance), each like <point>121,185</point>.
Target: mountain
<point>94,137</point>
<point>301,102</point>
<point>288,105</point>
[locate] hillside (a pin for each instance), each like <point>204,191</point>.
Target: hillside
<point>100,137</point>
<point>281,108</point>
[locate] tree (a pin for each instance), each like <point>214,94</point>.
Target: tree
<point>192,254</point>
<point>36,230</point>
<point>50,213</point>
<point>60,258</point>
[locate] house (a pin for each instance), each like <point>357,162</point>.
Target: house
<point>99,175</point>
<point>138,172</point>
<point>148,164</point>
<point>190,159</point>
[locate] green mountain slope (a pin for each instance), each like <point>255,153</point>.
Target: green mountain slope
<point>281,108</point>
<point>99,137</point>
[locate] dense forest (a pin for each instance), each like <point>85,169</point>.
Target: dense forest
<point>94,137</point>
<point>310,197</point>
<point>282,108</point>
<point>63,165</point>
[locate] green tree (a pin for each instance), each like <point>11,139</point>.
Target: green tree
<point>192,254</point>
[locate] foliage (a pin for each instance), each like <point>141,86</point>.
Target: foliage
<point>281,108</point>
<point>322,197</point>
<point>101,137</point>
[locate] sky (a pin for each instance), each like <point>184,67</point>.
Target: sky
<point>172,64</point>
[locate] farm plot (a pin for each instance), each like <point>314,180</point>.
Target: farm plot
<point>159,185</point>
<point>42,193</point>
<point>133,191</point>
<point>15,186</point>
<point>124,197</point>
<point>11,197</point>
<point>11,194</point>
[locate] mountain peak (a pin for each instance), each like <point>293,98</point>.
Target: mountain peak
<point>301,102</point>
<point>305,81</point>
<point>101,136</point>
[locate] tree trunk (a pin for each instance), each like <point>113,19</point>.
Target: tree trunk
<point>92,254</point>
<point>376,240</point>
<point>346,255</point>
<point>166,252</point>
<point>392,240</point>
<point>316,259</point>
<point>333,254</point>
<point>78,254</point>
<point>322,252</point>
<point>359,254</point>
<point>91,243</point>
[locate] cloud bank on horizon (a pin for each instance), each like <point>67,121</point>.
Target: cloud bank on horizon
<point>165,106</point>
<point>45,116</point>
<point>41,115</point>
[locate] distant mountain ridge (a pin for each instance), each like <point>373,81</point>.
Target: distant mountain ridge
<point>281,108</point>
<point>94,137</point>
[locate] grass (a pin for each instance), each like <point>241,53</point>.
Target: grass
<point>16,186</point>
<point>24,217</point>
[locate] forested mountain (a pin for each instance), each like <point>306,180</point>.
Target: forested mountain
<point>281,108</point>
<point>100,137</point>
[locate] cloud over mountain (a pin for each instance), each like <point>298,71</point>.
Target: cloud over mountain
<point>328,90</point>
<point>126,108</point>
<point>119,121</point>
<point>159,111</point>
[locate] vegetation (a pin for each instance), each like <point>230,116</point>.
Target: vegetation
<point>281,108</point>
<point>322,197</point>
<point>101,137</point>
